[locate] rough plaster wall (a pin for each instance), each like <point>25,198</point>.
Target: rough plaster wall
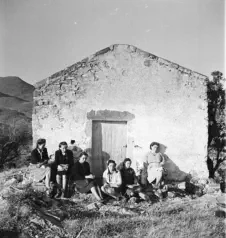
<point>168,101</point>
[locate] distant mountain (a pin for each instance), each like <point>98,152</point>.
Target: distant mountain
<point>16,87</point>
<point>14,103</point>
<point>16,100</point>
<point>15,94</point>
<point>11,117</point>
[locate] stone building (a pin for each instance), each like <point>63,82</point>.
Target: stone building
<point>117,101</point>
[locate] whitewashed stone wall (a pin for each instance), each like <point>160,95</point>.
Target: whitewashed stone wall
<point>168,103</point>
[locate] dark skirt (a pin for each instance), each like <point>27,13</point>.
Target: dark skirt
<point>62,173</point>
<point>84,185</point>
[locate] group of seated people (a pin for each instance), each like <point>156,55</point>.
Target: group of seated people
<point>117,182</point>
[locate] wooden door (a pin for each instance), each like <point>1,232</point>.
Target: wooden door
<point>109,141</point>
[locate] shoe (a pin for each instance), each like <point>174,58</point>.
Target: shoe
<point>58,194</point>
<point>62,195</point>
<point>48,192</point>
<point>102,201</point>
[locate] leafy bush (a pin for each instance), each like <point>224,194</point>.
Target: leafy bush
<point>216,123</point>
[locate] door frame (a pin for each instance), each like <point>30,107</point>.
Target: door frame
<point>100,122</point>
<point>109,115</point>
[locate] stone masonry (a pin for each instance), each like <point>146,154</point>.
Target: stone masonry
<point>160,100</point>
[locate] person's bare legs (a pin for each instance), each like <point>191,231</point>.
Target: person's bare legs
<point>158,179</point>
<point>99,192</point>
<point>47,178</point>
<point>94,192</point>
<point>64,184</point>
<point>58,179</point>
<point>106,192</point>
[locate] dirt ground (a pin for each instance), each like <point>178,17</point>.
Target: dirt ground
<point>23,214</point>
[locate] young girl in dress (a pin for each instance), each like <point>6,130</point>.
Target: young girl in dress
<point>112,180</point>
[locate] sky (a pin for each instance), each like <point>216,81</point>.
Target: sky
<point>41,37</point>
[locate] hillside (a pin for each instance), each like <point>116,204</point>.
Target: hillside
<point>14,103</point>
<point>15,94</point>
<point>16,87</point>
<point>16,100</point>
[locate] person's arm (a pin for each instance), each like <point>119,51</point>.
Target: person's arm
<point>70,160</point>
<point>45,157</point>
<point>105,178</point>
<point>162,159</point>
<point>57,161</point>
<point>118,181</point>
<point>88,173</point>
<point>77,172</point>
<point>34,157</point>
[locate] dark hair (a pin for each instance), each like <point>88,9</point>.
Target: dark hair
<point>110,161</point>
<point>154,143</point>
<point>62,143</point>
<point>83,153</point>
<point>40,141</point>
<point>126,160</point>
<point>72,142</point>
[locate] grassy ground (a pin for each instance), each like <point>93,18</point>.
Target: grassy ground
<point>176,217</point>
<point>172,218</point>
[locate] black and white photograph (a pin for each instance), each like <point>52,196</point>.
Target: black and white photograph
<point>112,119</point>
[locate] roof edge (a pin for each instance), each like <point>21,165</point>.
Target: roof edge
<point>111,48</point>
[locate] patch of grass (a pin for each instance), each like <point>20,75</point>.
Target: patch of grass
<point>168,219</point>
<point>179,217</point>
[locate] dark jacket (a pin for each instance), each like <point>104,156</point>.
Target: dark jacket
<point>79,171</point>
<point>61,159</point>
<point>128,176</point>
<point>37,157</point>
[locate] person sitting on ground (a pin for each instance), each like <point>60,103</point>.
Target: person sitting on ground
<point>130,185</point>
<point>63,162</point>
<point>39,167</point>
<point>84,179</point>
<point>155,162</point>
<point>112,180</point>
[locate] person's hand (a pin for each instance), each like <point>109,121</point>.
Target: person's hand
<point>114,185</point>
<point>38,165</point>
<point>130,186</point>
<point>65,166</point>
<point>92,176</point>
<point>43,166</point>
<point>59,168</point>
